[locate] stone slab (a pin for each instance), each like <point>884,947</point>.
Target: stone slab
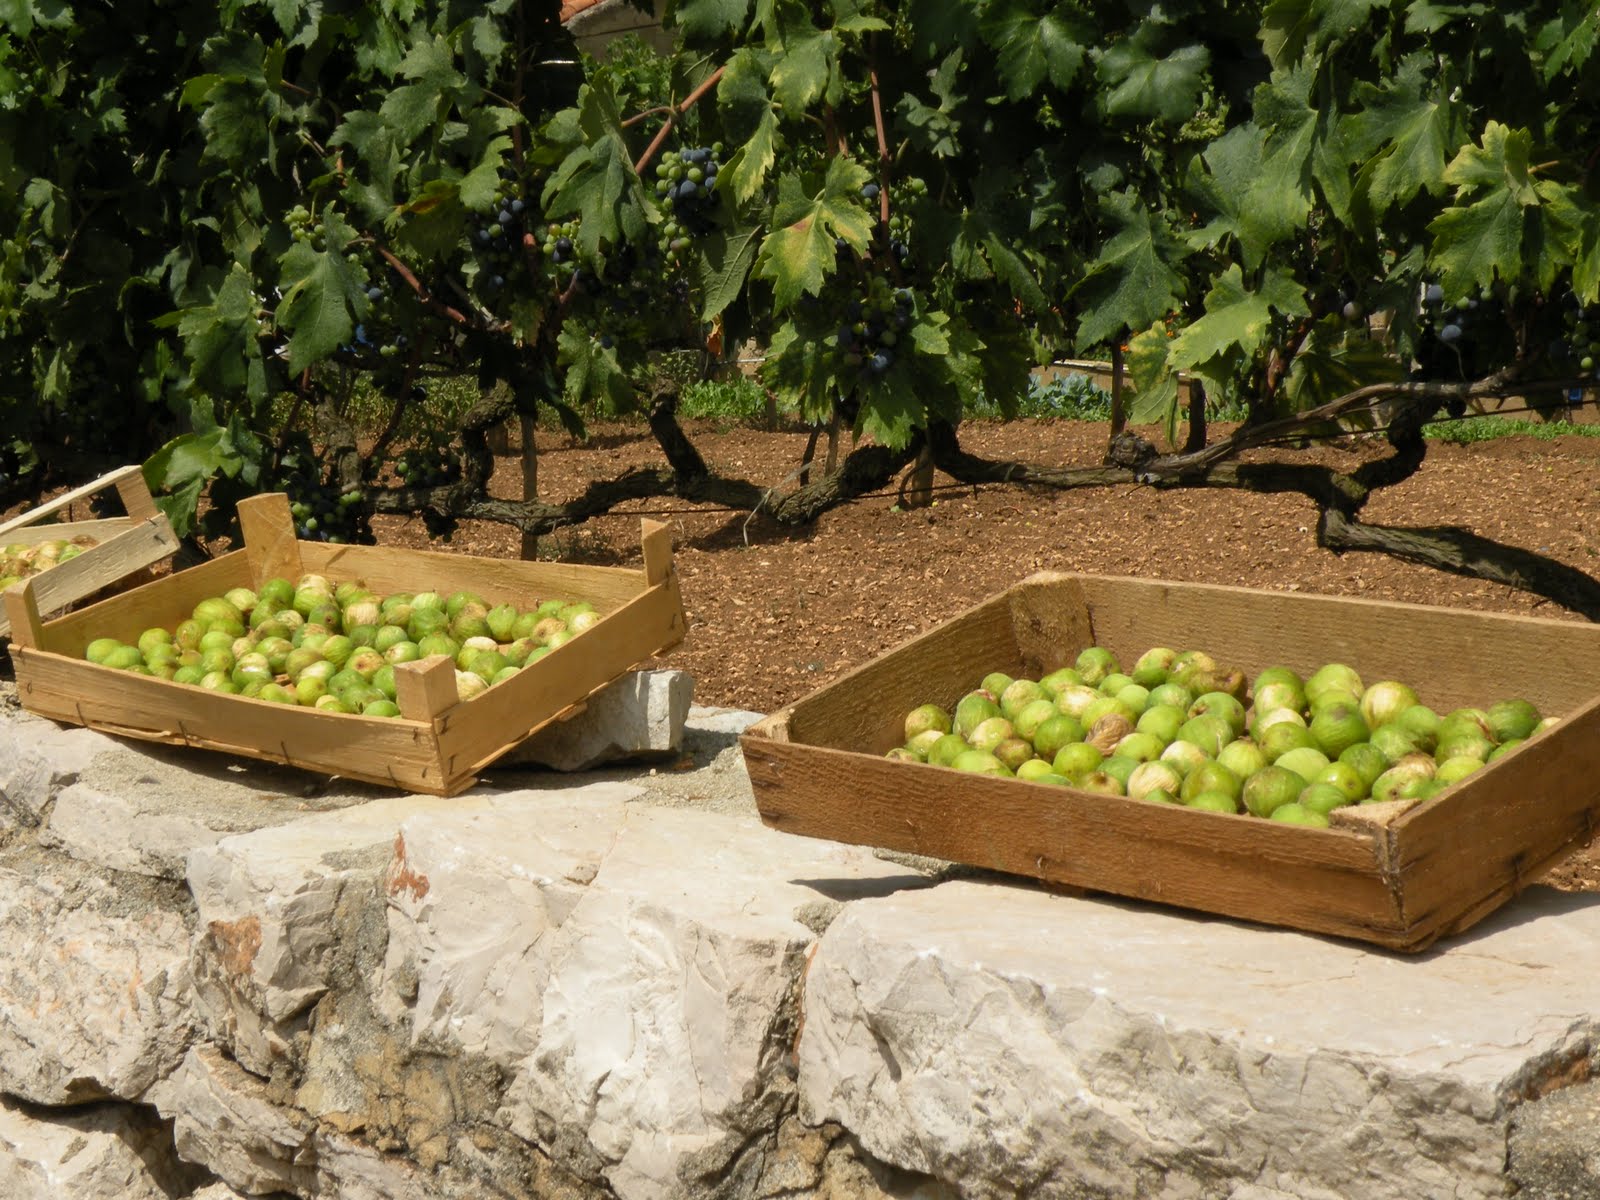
<point>1019,1041</point>
<point>637,717</point>
<point>37,759</point>
<point>94,984</point>
<point>662,1034</point>
<point>111,1152</point>
<point>228,1121</point>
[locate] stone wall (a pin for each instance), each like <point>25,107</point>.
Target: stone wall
<point>219,978</point>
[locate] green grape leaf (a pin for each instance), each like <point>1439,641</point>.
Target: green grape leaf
<point>1155,381</point>
<point>1289,27</point>
<point>891,409</point>
<point>743,101</point>
<point>1335,360</point>
<point>745,171</point>
<point>709,18</point>
<point>1128,285</point>
<point>1034,48</point>
<point>1144,85</point>
<point>1569,41</point>
<point>1476,242</point>
<point>321,292</point>
<point>800,74</point>
<point>810,214</point>
<point>1402,134</point>
<point>725,260</point>
<point>593,375</point>
<point>799,366</point>
<point>1236,319</point>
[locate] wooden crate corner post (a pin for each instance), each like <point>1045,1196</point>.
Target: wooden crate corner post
<point>655,540</point>
<point>426,688</point>
<point>22,611</point>
<point>270,545</point>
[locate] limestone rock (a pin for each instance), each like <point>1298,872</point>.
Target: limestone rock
<point>1020,1042</point>
<point>129,832</point>
<point>106,1153</point>
<point>94,986</point>
<point>269,917</point>
<point>640,715</point>
<point>663,1032</point>
<point>474,895</point>
<point>227,1121</point>
<point>37,759</point>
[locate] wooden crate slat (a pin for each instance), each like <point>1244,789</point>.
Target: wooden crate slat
<point>1401,882</point>
<point>164,601</point>
<point>1315,879</point>
<point>473,735</point>
<point>96,531</point>
<point>401,753</point>
<point>134,548</point>
<point>121,546</point>
<point>1443,653</point>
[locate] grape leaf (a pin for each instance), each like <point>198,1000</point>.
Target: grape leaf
<point>594,378</point>
<point>745,171</point>
<point>1403,133</point>
<point>1154,380</point>
<point>1034,47</point>
<point>725,260</point>
<point>800,73</point>
<point>708,18</point>
<point>321,291</point>
<point>1335,360</point>
<point>1236,320</point>
<point>1476,243</point>
<point>810,214</point>
<point>1128,285</point>
<point>1144,85</point>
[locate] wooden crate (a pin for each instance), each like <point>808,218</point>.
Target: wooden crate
<point>123,546</point>
<point>439,742</point>
<point>1400,875</point>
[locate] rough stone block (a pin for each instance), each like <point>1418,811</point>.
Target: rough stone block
<point>145,834</point>
<point>107,1153</point>
<point>227,1120</point>
<point>663,1033</point>
<point>639,716</point>
<point>1022,1042</point>
<point>94,984</point>
<point>37,759</point>
<point>270,906</point>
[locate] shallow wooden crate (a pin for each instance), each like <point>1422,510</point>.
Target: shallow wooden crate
<point>1399,875</point>
<point>123,546</point>
<point>439,742</point>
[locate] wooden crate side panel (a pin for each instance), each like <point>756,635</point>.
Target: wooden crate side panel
<point>1320,880</point>
<point>401,754</point>
<point>865,709</point>
<point>476,732</point>
<point>130,485</point>
<point>165,602</point>
<point>1452,657</point>
<point>95,531</point>
<point>1497,831</point>
<point>525,584</point>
